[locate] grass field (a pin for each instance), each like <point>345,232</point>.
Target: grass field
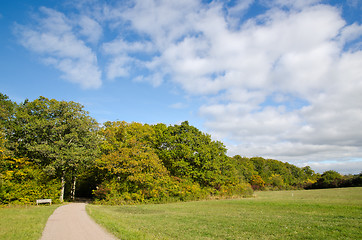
<point>307,214</point>
<point>24,222</point>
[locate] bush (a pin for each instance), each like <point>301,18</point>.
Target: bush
<point>241,190</point>
<point>23,183</point>
<point>114,192</point>
<point>257,183</point>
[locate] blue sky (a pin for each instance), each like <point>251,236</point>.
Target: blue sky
<point>279,79</point>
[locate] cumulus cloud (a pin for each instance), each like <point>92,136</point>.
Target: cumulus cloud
<point>309,65</point>
<point>164,21</point>
<point>121,60</point>
<point>54,39</point>
<point>285,84</point>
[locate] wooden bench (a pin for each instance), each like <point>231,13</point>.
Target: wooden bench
<point>44,201</point>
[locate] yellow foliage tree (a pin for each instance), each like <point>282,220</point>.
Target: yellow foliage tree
<point>257,182</point>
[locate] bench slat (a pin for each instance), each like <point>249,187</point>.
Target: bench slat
<point>43,201</point>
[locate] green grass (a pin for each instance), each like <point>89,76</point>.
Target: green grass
<point>24,222</point>
<point>307,214</point>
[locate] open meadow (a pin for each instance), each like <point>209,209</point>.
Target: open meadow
<point>304,214</point>
<point>24,222</point>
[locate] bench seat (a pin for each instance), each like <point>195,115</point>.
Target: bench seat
<point>43,201</point>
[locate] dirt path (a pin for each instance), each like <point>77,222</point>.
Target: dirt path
<point>71,222</point>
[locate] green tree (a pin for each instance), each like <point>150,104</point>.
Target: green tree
<point>58,135</point>
<point>130,161</point>
<point>276,181</point>
<point>244,167</point>
<point>274,173</point>
<point>7,108</point>
<point>308,171</point>
<point>188,153</point>
<point>329,179</point>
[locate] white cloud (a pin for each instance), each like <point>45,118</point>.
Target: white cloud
<point>164,21</point>
<point>343,167</point>
<point>119,46</point>
<point>206,56</point>
<point>90,29</point>
<point>350,34</point>
<point>54,39</point>
<point>295,55</point>
<point>355,3</point>
<point>299,4</point>
<point>237,10</point>
<point>285,84</point>
<point>120,52</point>
<point>118,67</point>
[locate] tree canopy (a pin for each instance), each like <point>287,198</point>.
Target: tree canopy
<point>50,148</point>
<point>59,136</point>
<point>188,153</point>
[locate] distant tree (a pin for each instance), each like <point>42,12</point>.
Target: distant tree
<point>58,135</point>
<point>329,179</point>
<point>273,173</point>
<point>356,180</point>
<point>276,181</point>
<point>244,167</point>
<point>308,171</point>
<point>261,167</point>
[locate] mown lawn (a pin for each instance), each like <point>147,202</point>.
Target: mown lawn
<point>306,214</point>
<point>24,222</point>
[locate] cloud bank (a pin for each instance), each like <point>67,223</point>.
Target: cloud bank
<point>284,82</point>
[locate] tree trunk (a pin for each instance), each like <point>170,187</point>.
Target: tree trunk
<point>61,198</point>
<point>73,188</point>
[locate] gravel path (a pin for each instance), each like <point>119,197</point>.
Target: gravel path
<point>71,222</point>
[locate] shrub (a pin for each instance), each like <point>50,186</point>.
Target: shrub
<point>257,183</point>
<point>240,189</point>
<point>22,183</point>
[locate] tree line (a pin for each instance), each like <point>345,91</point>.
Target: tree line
<point>54,149</point>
